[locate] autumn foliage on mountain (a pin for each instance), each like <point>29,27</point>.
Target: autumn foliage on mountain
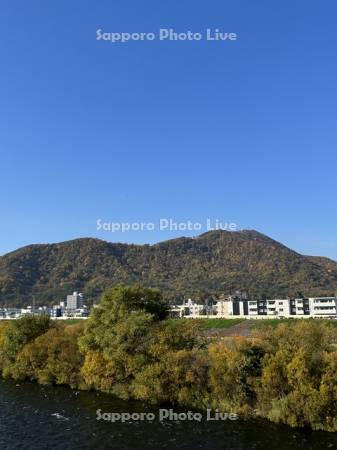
<point>214,263</point>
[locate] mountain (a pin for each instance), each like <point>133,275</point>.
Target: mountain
<point>210,264</point>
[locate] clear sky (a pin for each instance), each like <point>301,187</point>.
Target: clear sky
<point>243,131</point>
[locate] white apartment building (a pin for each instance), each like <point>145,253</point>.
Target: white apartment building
<point>274,308</point>
<point>238,306</point>
<point>75,301</point>
<point>189,309</point>
<point>320,307</point>
<point>192,309</point>
<point>323,307</point>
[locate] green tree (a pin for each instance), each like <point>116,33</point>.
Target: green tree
<point>118,304</point>
<point>117,335</point>
<point>16,335</point>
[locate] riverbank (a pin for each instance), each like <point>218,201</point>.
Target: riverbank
<point>127,348</point>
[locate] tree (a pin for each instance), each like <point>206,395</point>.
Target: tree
<point>117,335</point>
<point>52,358</point>
<point>17,334</point>
<point>118,304</point>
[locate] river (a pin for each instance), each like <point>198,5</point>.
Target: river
<point>37,417</point>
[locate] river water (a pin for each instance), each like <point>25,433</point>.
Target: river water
<point>36,417</point>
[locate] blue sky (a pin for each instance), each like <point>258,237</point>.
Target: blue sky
<point>243,131</point>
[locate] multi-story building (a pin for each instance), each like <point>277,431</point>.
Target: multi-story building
<point>192,309</point>
<point>239,306</point>
<point>56,312</point>
<point>189,308</point>
<point>323,307</point>
<point>75,301</point>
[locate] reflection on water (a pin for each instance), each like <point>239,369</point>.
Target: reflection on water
<point>35,417</point>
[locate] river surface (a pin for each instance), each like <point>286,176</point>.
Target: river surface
<point>37,417</point>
